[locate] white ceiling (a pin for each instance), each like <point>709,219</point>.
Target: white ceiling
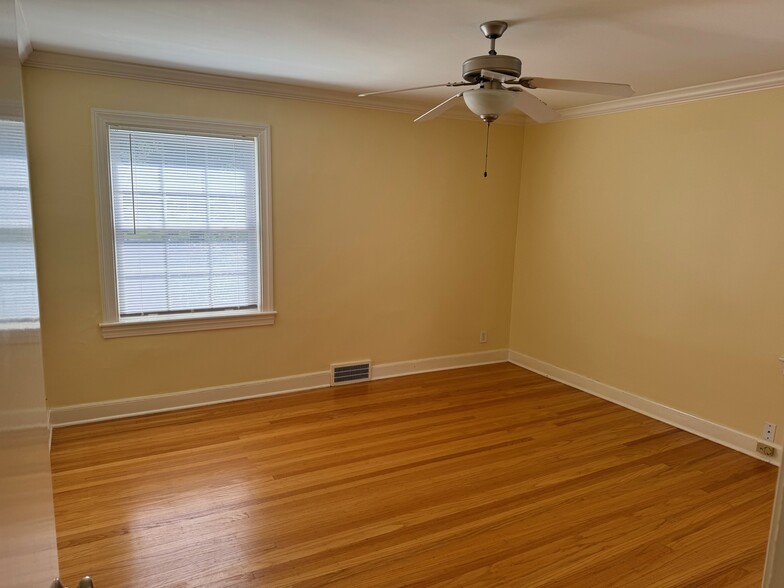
<point>356,45</point>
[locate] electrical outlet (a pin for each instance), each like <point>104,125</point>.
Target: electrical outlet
<point>769,432</point>
<point>483,336</point>
<point>765,449</point>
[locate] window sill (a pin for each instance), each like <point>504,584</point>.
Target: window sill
<point>206,322</point>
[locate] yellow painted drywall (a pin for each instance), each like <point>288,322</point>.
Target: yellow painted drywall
<point>650,254</point>
<point>388,243</point>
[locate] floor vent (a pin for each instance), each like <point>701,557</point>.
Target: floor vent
<point>348,373</point>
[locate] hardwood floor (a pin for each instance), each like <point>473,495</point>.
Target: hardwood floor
<point>485,476</point>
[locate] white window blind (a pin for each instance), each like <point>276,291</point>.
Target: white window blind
<point>18,289</point>
<point>186,222</point>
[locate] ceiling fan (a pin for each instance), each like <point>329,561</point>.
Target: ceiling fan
<point>501,87</point>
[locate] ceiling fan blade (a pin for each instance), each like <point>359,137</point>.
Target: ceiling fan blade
<point>447,85</point>
<point>623,90</point>
<point>535,108</point>
<point>494,75</point>
<point>440,109</point>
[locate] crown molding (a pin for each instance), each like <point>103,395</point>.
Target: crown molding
<point>766,81</point>
<point>179,77</point>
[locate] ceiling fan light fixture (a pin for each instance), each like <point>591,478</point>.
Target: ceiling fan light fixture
<point>489,103</point>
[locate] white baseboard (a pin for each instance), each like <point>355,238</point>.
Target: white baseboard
<point>76,414</point>
<point>24,419</point>
<point>688,422</point>
<point>436,364</point>
<point>63,416</point>
<point>114,409</point>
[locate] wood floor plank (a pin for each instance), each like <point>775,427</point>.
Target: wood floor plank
<point>484,476</point>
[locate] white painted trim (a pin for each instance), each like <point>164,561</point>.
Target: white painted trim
<point>179,77</point>
<point>773,576</point>
<point>103,211</point>
<point>115,409</point>
<point>437,364</point>
<point>101,411</point>
<point>23,419</point>
<point>264,213</point>
<point>766,81</point>
<point>11,110</point>
<point>693,424</point>
<point>205,322</point>
<point>112,326</point>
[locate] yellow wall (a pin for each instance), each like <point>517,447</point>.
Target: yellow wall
<point>650,252</point>
<point>388,243</point>
<point>648,247</point>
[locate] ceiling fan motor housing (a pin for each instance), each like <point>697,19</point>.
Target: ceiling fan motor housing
<point>504,64</point>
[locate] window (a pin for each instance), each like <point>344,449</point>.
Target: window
<point>184,209</point>
<point>18,287</point>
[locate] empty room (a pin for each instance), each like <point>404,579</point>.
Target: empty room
<point>373,294</point>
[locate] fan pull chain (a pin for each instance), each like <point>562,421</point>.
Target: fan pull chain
<point>487,146</point>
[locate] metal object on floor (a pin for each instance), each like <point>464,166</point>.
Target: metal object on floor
<point>86,582</point>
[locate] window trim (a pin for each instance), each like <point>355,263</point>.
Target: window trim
<point>112,326</point>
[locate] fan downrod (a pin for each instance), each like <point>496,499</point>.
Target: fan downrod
<point>493,29</point>
<point>504,64</point>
